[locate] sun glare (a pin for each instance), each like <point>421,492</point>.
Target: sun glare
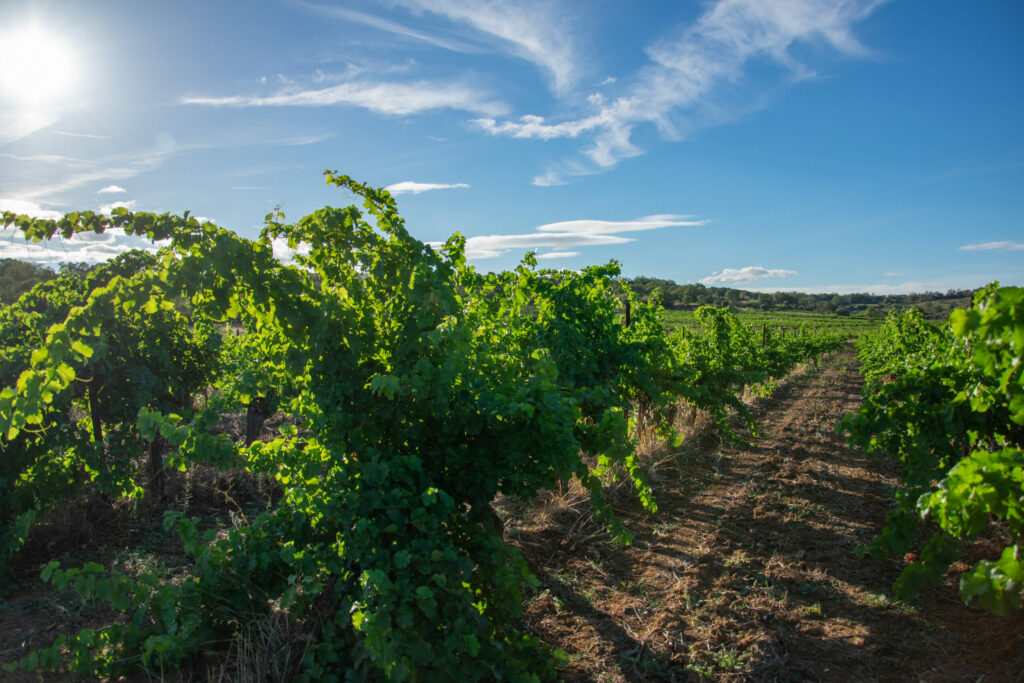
<point>36,68</point>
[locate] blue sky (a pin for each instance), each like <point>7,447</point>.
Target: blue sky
<point>811,145</point>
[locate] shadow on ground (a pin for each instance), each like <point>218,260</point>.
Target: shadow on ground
<point>748,570</point>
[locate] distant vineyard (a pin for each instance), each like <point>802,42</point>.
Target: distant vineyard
<point>785,321</point>
<point>948,404</point>
<point>860,305</point>
<point>413,390</point>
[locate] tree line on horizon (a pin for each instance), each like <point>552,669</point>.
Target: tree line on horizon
<point>690,296</point>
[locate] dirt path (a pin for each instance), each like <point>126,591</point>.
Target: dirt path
<point>748,571</point>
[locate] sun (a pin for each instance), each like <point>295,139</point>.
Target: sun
<point>36,67</point>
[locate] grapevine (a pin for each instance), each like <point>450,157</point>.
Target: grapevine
<point>414,390</point>
<point>948,403</point>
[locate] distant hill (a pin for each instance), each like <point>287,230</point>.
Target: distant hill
<point>684,297</point>
<point>17,277</point>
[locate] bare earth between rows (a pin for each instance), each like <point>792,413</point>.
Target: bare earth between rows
<point>748,571</point>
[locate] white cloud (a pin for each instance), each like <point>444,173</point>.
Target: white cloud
<point>733,276</point>
<point>563,235</point>
<point>549,178</point>
<point>561,172</point>
<point>1005,245</point>
<point>410,187</point>
<point>105,209</point>
<point>593,227</point>
<point>382,98</point>
<point>284,253</point>
<point>537,127</point>
<point>29,209</point>
<point>89,247</point>
<point>690,67</point>
<point>537,31</point>
<point>492,246</point>
<point>111,189</point>
<point>558,254</point>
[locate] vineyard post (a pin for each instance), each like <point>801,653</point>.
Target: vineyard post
<point>764,334</point>
<point>256,413</point>
<point>94,411</point>
<point>156,467</point>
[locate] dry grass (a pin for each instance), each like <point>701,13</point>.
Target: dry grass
<point>269,649</point>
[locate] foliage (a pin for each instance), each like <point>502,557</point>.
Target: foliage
<point>414,391</point>
<point>948,403</point>
<point>81,432</point>
<point>721,356</point>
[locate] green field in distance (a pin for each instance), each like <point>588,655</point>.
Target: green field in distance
<point>852,325</point>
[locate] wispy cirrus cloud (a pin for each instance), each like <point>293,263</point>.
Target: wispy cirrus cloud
<point>535,30</point>
<point>538,31</point>
<point>397,99</point>
<point>89,136</point>
<point>43,158</point>
<point>559,237</point>
<point>380,23</point>
<point>39,184</point>
<point>16,124</point>
<point>40,177</point>
<point>411,187</point>
<point>111,189</point>
<point>1004,245</point>
<point>735,276</point>
<point>690,67</point>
